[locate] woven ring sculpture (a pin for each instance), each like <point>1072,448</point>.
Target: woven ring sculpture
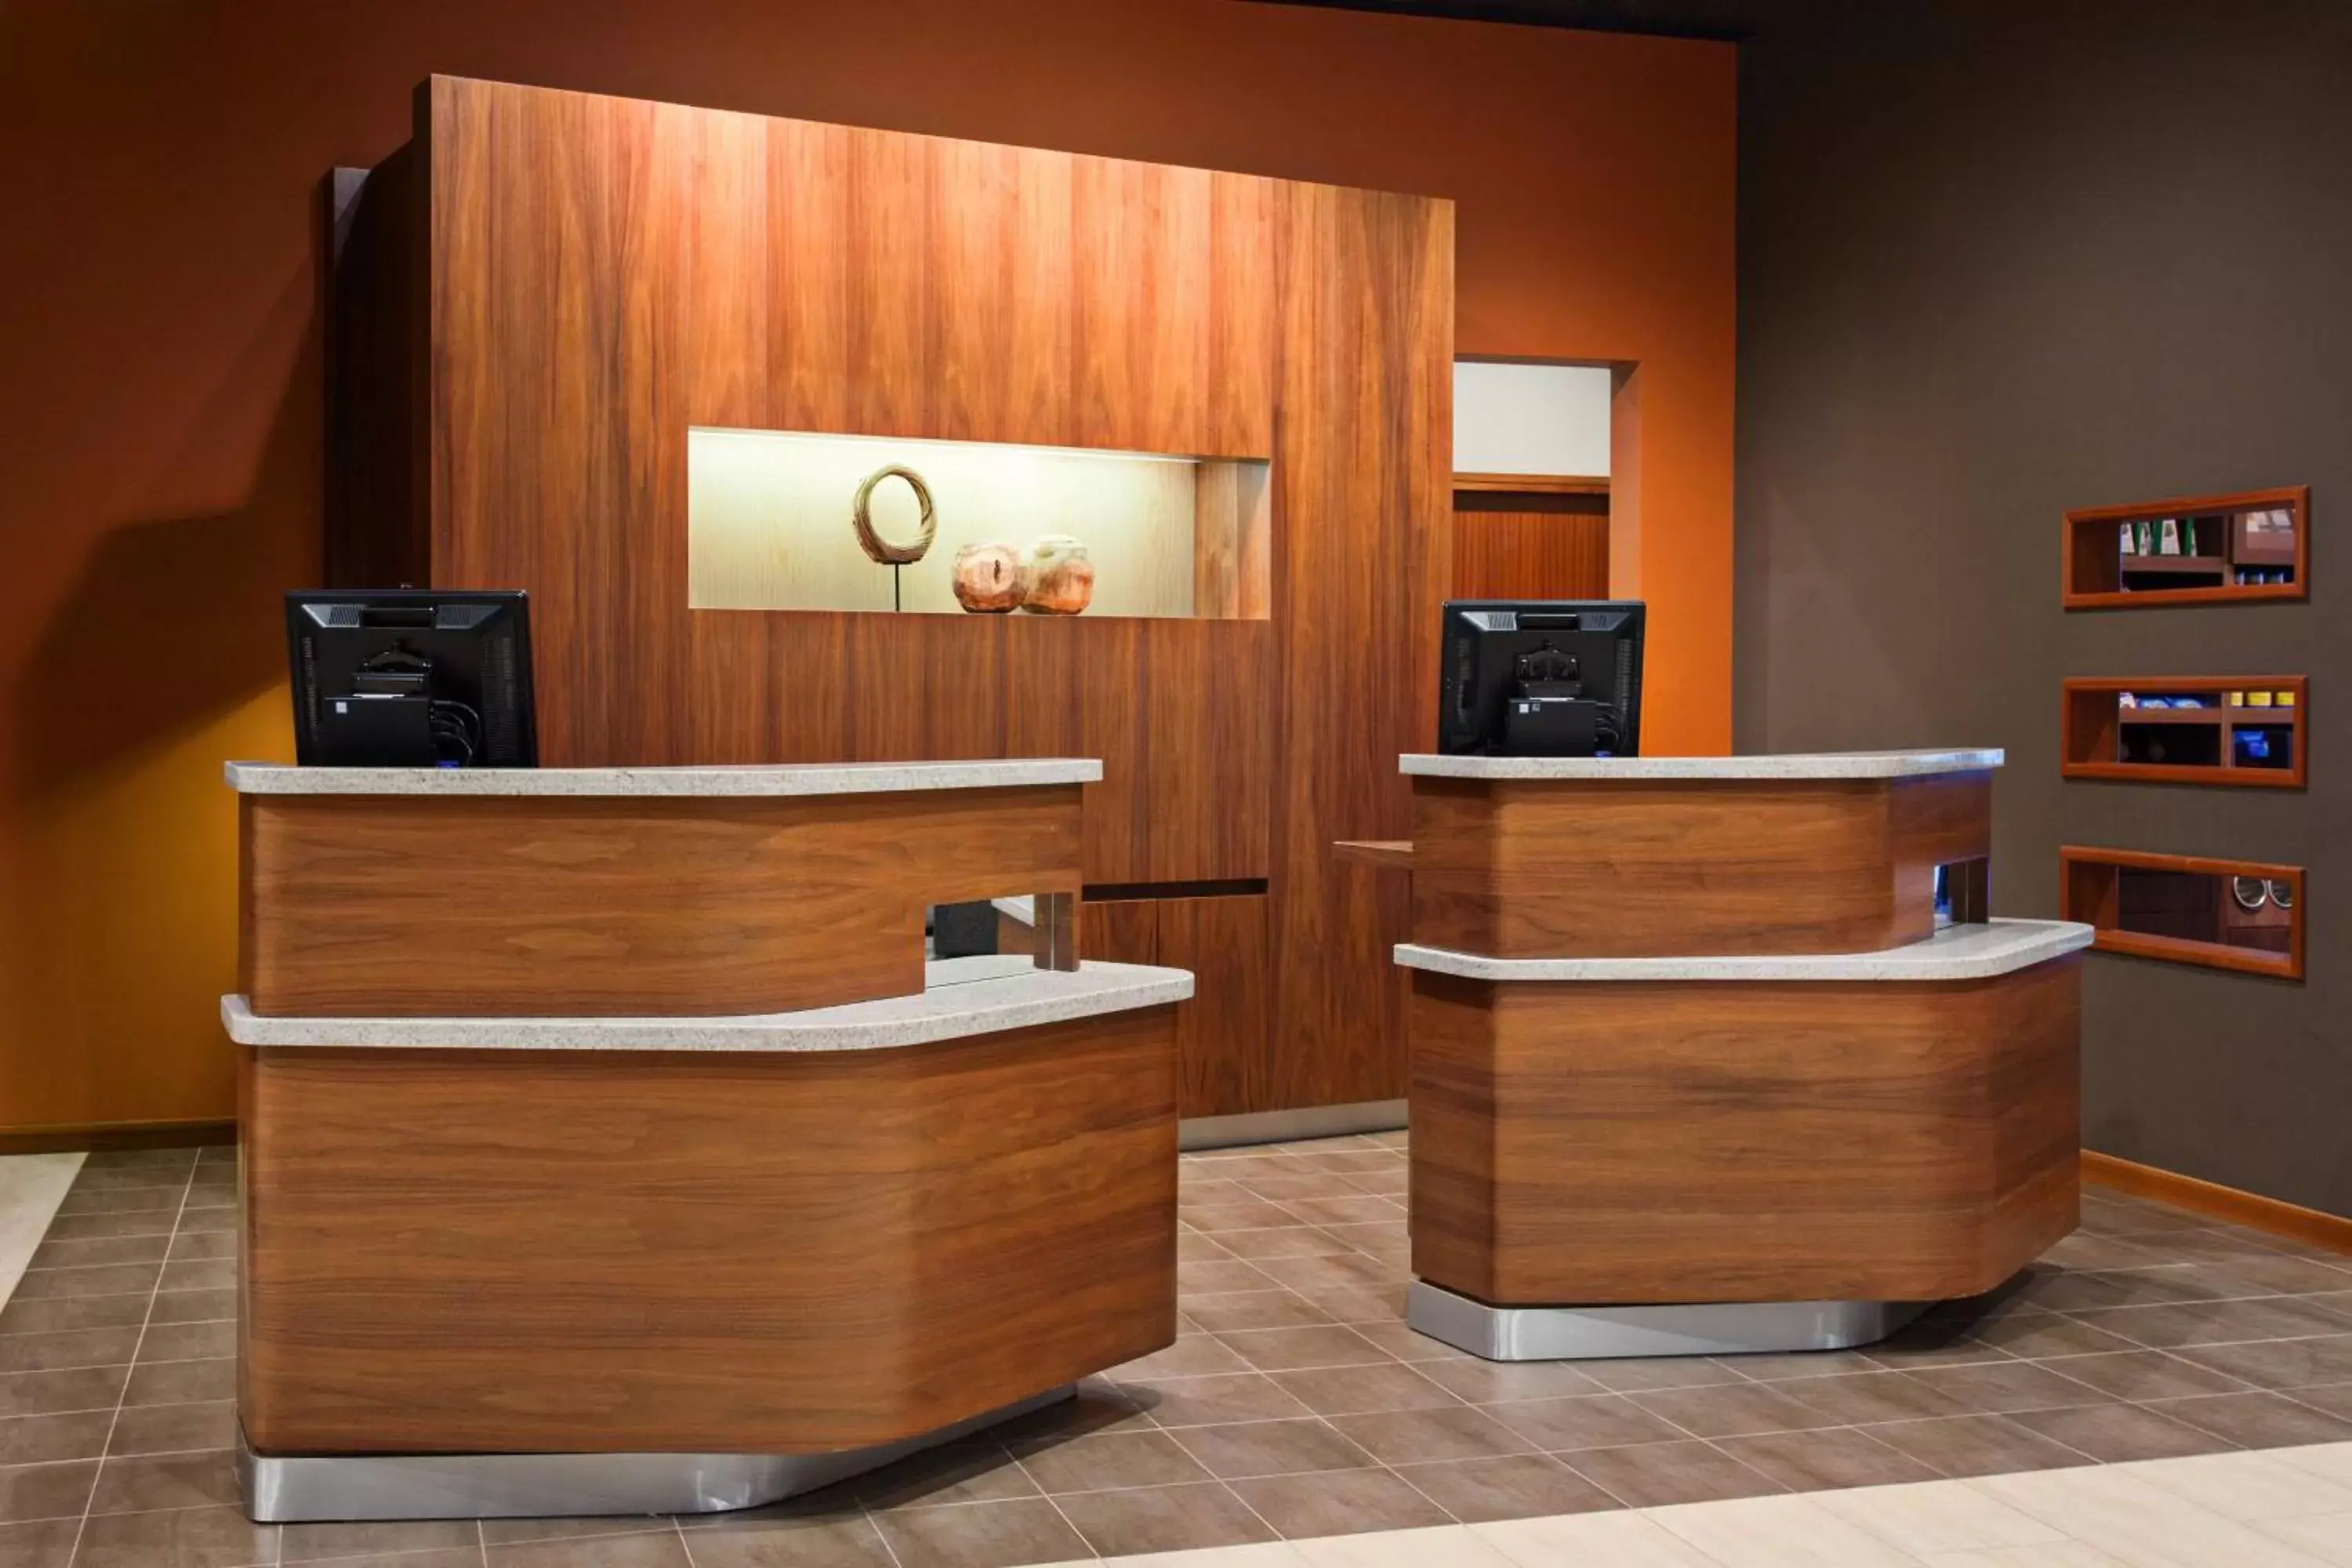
<point>882,551</point>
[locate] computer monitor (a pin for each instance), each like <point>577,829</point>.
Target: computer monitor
<point>1541,679</point>
<point>411,677</point>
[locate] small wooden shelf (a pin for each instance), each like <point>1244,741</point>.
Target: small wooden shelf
<point>2184,909</point>
<point>1388,854</point>
<point>1534,484</point>
<point>2221,539</point>
<point>2101,739</point>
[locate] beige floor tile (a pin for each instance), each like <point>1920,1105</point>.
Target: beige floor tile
<point>2331,1460</point>
<point>1261,1554</point>
<point>1937,1516</point>
<point>31,1188</point>
<point>2324,1537</point>
<point>1592,1541</point>
<point>2052,1555</point>
<point>1443,1546</point>
<point>2141,1524</point>
<point>2245,1486</point>
<point>1777,1532</point>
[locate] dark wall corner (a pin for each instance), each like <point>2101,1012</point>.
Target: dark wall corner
<point>1999,261</point>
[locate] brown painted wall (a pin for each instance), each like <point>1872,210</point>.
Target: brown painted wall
<point>160,424</point>
<point>1999,261</point>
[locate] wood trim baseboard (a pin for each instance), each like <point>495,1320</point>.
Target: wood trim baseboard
<point>80,1137</point>
<point>2270,1215</point>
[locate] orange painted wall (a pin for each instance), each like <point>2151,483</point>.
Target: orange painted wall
<point>160,407</point>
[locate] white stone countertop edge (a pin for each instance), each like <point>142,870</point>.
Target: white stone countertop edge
<point>1954,953</point>
<point>781,779</point>
<point>967,996</point>
<point>1789,765</point>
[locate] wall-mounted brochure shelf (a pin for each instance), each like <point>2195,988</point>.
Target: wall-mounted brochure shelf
<point>2193,550</point>
<point>2203,729</point>
<point>2224,914</point>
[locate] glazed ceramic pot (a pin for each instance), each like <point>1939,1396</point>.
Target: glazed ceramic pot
<point>988,578</point>
<point>1061,576</point>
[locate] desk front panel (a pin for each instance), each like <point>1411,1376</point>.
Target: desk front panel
<point>1599,869</point>
<point>698,1251</point>
<point>1672,1141</point>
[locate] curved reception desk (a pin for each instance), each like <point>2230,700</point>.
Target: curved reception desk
<point>532,1228</point>
<point>1696,1066</point>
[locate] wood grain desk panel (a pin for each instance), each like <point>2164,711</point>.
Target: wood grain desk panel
<point>1711,1142</point>
<point>540,1252</point>
<point>559,906</point>
<point>1605,869</point>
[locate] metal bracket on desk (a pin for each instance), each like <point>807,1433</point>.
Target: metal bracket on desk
<point>1594,1334</point>
<point>315,1488</point>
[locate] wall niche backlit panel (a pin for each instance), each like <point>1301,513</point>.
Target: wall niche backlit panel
<point>769,523</point>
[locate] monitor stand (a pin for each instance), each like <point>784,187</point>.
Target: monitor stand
<point>1552,727</point>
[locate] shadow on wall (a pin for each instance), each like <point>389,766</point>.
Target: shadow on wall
<point>176,620</point>
<point>164,657</point>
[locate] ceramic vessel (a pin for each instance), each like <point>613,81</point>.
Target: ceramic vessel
<point>1061,576</point>
<point>988,578</point>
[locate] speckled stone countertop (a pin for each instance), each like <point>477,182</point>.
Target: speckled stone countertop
<point>820,778</point>
<point>963,996</point>
<point>1954,953</point>
<point>1794,765</point>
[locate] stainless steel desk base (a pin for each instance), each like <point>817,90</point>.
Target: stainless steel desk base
<point>1581,1333</point>
<point>308,1489</point>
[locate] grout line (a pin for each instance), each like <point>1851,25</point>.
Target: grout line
<point>1068,1523</point>
<point>880,1534</point>
<point>1248,1507</point>
<point>105,1450</point>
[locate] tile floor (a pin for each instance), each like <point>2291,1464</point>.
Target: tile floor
<point>1295,1408</point>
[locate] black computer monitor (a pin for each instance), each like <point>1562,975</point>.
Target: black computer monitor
<point>1541,679</point>
<point>411,677</point>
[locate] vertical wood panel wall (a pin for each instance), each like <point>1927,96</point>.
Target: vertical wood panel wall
<point>1530,547</point>
<point>605,272</point>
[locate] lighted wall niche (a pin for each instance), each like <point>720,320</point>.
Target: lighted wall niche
<point>769,523</point>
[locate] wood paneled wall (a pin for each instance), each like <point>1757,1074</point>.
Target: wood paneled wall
<point>1221,1055</point>
<point>1528,546</point>
<point>605,272</point>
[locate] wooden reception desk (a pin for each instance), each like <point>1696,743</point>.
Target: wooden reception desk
<point>608,1145</point>
<point>1695,1067</point>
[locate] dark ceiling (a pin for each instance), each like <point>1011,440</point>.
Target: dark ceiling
<point>1679,18</point>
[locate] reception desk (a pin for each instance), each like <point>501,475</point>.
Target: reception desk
<point>1696,1066</point>
<point>609,1145</point>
